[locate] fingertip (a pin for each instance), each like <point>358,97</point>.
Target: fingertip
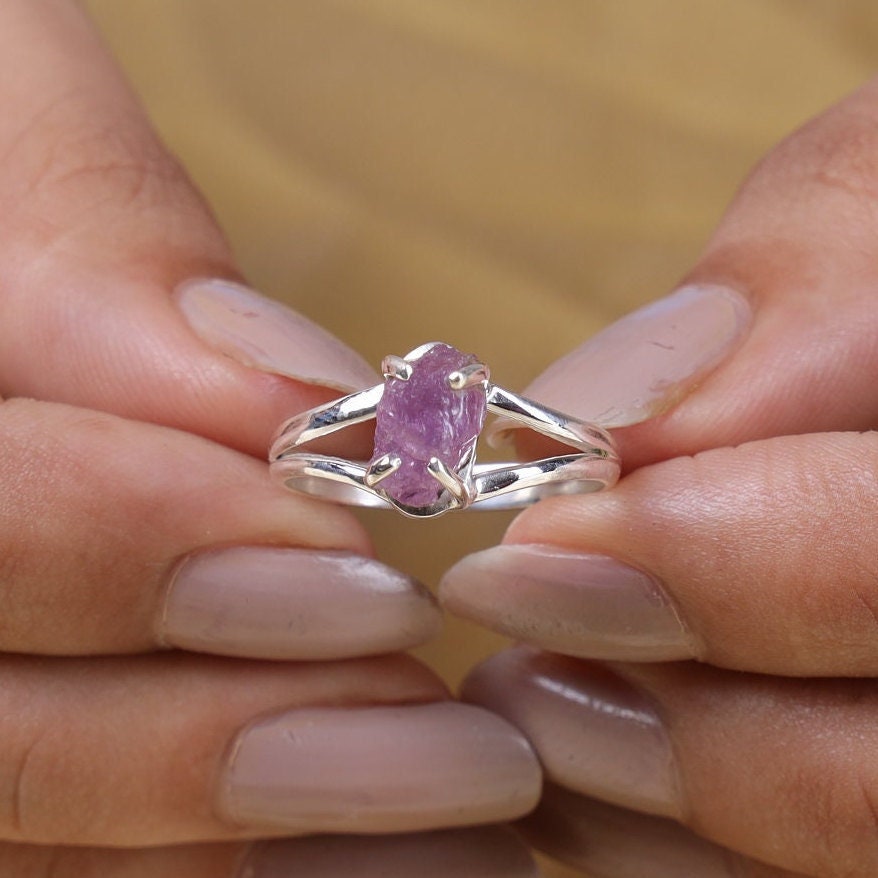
<point>442,764</point>
<point>645,363</point>
<point>294,604</point>
<point>575,603</point>
<point>267,335</point>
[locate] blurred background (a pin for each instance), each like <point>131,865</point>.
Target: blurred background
<point>504,175</point>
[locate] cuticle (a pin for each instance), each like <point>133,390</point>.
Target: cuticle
<point>695,643</point>
<point>223,786</point>
<point>161,623</point>
<point>678,800</point>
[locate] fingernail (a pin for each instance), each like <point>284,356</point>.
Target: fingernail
<point>269,336</point>
<point>376,769</point>
<point>582,605</point>
<point>594,733</point>
<point>282,603</point>
<point>647,362</point>
<point>484,852</point>
<point>602,839</point>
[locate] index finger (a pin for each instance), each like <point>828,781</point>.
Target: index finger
<point>100,225</point>
<point>766,550</point>
<point>773,331</point>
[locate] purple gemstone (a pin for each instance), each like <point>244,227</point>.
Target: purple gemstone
<point>423,418</point>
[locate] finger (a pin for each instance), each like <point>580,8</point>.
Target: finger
<point>614,842</point>
<point>178,748</point>
<point>758,558</point>
<point>100,225</point>
<point>773,331</point>
<point>118,536</point>
<point>793,759</point>
<point>191,861</point>
<point>484,852</point>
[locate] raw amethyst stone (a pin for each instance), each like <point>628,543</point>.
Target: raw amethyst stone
<point>423,418</point>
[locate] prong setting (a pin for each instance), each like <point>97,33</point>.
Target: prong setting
<point>431,427</point>
<point>396,367</point>
<point>438,419</point>
<point>469,376</point>
<point>385,466</point>
<point>451,481</point>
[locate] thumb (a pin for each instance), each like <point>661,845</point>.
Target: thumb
<point>100,226</point>
<point>774,331</point>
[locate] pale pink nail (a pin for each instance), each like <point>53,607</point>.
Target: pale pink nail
<point>483,852</point>
<point>603,839</point>
<point>283,603</point>
<point>269,336</point>
<point>593,732</point>
<point>645,363</point>
<point>379,769</point>
<point>577,604</point>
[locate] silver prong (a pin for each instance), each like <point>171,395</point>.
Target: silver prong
<point>420,350</point>
<point>469,376</point>
<point>449,480</point>
<point>381,469</point>
<point>396,367</point>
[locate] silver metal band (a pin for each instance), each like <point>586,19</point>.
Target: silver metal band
<point>593,465</point>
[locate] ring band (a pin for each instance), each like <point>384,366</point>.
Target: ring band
<point>429,413</point>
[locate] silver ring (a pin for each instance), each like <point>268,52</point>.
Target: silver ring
<point>429,413</point>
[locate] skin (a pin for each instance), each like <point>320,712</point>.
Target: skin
<point>127,444</point>
<point>770,764</point>
<point>753,502</point>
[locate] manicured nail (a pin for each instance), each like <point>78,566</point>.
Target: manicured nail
<point>594,733</point>
<point>281,603</point>
<point>583,605</point>
<point>379,769</point>
<point>602,839</point>
<point>484,852</point>
<point>269,336</point>
<point>647,362</point>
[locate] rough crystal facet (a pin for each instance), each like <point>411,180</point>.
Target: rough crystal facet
<point>423,418</point>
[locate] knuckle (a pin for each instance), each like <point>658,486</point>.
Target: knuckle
<point>835,154</point>
<point>104,166</point>
<point>844,156</point>
<point>57,545</point>
<point>76,164</point>
<point>832,809</point>
<point>55,783</point>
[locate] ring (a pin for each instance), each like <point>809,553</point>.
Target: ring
<point>429,413</point>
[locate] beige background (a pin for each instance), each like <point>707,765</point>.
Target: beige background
<point>505,175</point>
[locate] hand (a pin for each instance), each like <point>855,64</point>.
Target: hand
<point>743,539</point>
<point>133,521</point>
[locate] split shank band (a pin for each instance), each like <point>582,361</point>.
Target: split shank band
<point>593,463</point>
